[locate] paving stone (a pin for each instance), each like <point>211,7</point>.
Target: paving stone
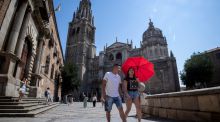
<point>76,113</point>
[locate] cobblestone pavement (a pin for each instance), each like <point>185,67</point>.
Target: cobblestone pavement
<point>76,113</point>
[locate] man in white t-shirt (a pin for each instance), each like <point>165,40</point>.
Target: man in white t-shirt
<point>110,92</point>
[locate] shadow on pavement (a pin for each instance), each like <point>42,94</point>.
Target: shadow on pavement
<point>157,119</point>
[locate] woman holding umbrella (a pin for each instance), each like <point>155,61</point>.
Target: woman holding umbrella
<point>131,92</point>
<point>139,70</point>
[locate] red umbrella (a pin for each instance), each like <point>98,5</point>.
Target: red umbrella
<point>144,69</point>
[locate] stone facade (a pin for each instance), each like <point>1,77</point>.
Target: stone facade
<point>29,47</point>
<point>80,50</point>
<point>214,55</point>
<point>80,47</point>
<point>192,105</point>
<point>154,48</point>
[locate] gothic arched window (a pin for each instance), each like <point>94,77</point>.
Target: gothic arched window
<point>119,56</point>
<point>78,30</point>
<point>111,57</point>
<point>73,32</point>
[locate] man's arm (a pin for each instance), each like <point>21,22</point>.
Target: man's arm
<point>103,90</point>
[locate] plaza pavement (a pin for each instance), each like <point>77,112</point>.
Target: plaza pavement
<point>76,113</point>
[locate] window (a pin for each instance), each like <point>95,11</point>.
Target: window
<point>111,57</point>
<point>2,62</point>
<point>78,30</point>
<point>44,12</point>
<point>51,41</point>
<point>47,65</point>
<point>55,52</point>
<point>73,32</point>
<point>52,72</point>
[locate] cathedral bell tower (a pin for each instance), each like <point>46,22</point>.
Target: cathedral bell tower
<point>80,46</point>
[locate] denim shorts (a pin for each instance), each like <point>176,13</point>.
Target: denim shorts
<point>109,102</point>
<point>133,94</point>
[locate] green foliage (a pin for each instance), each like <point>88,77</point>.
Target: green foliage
<point>70,78</point>
<point>197,69</point>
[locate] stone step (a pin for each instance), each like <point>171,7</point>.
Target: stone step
<point>33,99</point>
<point>5,97</point>
<point>31,113</point>
<point>8,100</point>
<point>22,102</point>
<point>23,99</point>
<point>25,110</point>
<point>21,106</point>
<point>38,111</point>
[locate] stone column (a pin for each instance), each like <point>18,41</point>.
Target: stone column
<point>21,40</point>
<point>39,56</point>
<point>16,28</point>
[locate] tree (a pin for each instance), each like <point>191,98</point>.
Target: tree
<point>70,79</point>
<point>197,69</point>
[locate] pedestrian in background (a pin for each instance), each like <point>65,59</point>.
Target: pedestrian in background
<point>94,100</point>
<point>85,99</point>
<point>22,89</point>
<point>47,96</point>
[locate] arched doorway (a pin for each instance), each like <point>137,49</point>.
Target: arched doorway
<point>25,58</point>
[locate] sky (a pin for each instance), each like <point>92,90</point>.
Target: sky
<point>188,25</point>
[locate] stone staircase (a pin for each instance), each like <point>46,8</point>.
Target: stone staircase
<point>28,107</point>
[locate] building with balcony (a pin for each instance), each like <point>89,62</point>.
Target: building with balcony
<point>29,48</point>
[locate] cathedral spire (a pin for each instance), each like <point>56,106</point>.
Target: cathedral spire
<point>84,11</point>
<point>74,15</point>
<point>171,54</point>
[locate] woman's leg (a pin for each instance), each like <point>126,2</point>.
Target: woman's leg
<point>128,106</point>
<point>138,108</point>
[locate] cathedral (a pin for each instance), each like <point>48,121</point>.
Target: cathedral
<point>81,50</point>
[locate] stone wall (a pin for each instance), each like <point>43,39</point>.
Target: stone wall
<point>192,105</point>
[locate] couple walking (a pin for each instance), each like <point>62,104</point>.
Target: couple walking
<point>111,89</point>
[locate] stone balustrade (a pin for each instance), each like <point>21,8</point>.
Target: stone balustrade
<point>192,105</point>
